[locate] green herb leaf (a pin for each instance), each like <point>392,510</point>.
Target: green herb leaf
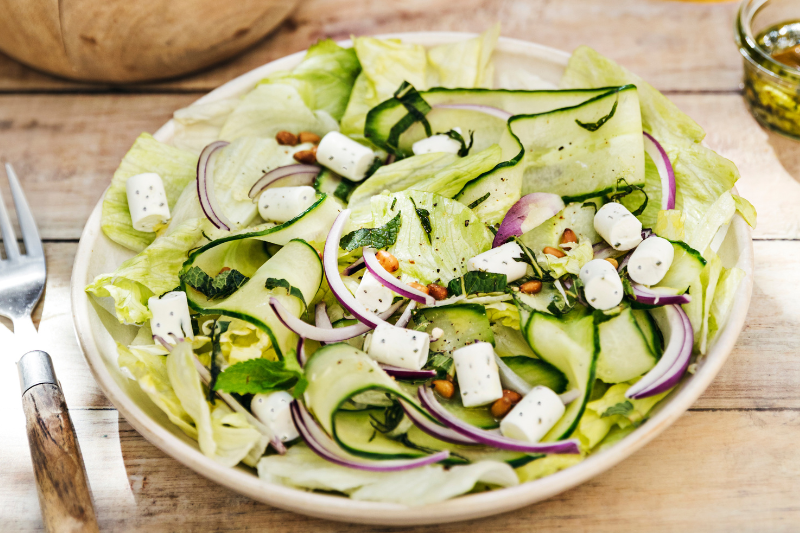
<point>530,258</point>
<point>260,375</point>
<point>624,408</point>
<point>376,164</point>
<point>478,282</point>
<point>441,363</point>
<point>221,286</point>
<point>424,219</point>
<point>479,201</point>
<point>392,416</point>
<point>625,190</point>
<point>274,283</point>
<point>417,108</point>
<point>465,148</point>
<point>381,237</point>
<point>594,126</point>
<point>216,356</point>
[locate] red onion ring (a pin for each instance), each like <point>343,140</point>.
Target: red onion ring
<point>665,170</point>
<point>406,316</point>
<point>390,282</point>
<point>321,318</point>
<point>205,188</point>
<point>301,351</point>
<point>354,267</point>
<point>330,263</point>
<point>405,373</point>
<point>300,174</point>
<point>654,296</point>
<point>495,112</point>
<point>530,211</point>
<point>679,334</point>
<point>481,436</point>
<point>509,379</point>
<point>433,428</point>
<point>320,443</point>
<point>304,329</point>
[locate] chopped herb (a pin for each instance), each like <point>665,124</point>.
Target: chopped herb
<point>424,219</point>
<point>530,258</point>
<point>627,189</point>
<point>381,237</point>
<point>394,202</point>
<point>221,286</point>
<point>376,164</point>
<point>594,126</point>
<point>479,201</point>
<point>440,362</point>
<point>209,239</point>
<point>465,148</point>
<point>624,408</point>
<point>392,416</point>
<point>217,329</point>
<point>261,375</point>
<point>417,108</point>
<point>477,282</point>
<point>274,283</point>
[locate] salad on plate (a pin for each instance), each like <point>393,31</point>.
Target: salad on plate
<point>381,276</point>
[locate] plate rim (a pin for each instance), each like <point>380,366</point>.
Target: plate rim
<point>344,509</point>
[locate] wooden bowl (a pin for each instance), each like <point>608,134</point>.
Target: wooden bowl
<point>120,41</point>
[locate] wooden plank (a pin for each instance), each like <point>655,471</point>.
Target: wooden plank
<point>693,42</point>
<point>711,471</point>
<point>66,148</point>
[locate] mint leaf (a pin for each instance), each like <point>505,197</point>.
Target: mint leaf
<point>216,356</point>
<point>274,283</point>
<point>221,286</point>
<point>479,201</point>
<point>440,362</point>
<point>475,282</point>
<point>594,126</point>
<point>624,408</point>
<point>381,237</point>
<point>465,148</point>
<point>424,219</point>
<point>260,375</point>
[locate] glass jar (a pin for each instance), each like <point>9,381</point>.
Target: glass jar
<point>765,28</point>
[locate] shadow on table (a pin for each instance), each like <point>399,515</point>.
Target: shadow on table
<point>788,152</point>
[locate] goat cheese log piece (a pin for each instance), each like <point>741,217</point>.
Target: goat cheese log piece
<point>533,416</point>
<point>273,410</point>
<point>436,143</point>
<point>477,374</point>
<point>147,201</point>
<point>400,347</point>
<point>601,284</point>
<point>344,156</point>
<point>650,260</point>
<point>372,295</point>
<point>170,316</point>
<point>500,260</point>
<point>618,227</point>
<point>282,204</point>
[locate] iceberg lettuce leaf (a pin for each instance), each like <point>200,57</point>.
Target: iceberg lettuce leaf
<point>547,465</point>
<point>671,225</point>
<point>464,64</point>
<point>176,167</point>
<point>199,125</point>
<point>746,209</point>
<point>722,304</point>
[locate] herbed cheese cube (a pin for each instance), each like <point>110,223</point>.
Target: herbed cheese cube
<point>282,204</point>
<point>400,347</point>
<point>170,316</point>
<point>477,374</point>
<point>147,201</point>
<point>617,226</point>
<point>273,410</point>
<point>500,260</point>
<point>533,416</point>
<point>344,156</point>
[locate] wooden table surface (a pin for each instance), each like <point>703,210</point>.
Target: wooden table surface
<point>729,464</point>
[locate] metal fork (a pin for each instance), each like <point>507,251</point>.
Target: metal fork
<point>57,462</point>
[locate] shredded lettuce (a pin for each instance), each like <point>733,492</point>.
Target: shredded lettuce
<point>302,468</point>
<point>176,167</point>
<point>572,262</point>
<point>670,225</point>
<point>199,125</point>
<point>456,236</point>
<point>509,342</point>
<point>325,77</point>
<point>700,235</point>
<point>547,465</point>
<point>243,341</point>
<point>709,278</point>
<point>464,64</point>
<point>746,209</point>
<point>722,304</point>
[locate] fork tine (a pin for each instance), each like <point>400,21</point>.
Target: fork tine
<point>7,232</point>
<point>30,234</point>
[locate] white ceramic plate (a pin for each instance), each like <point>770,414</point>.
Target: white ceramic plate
<point>518,63</point>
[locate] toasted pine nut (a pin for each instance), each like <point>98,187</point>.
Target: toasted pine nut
<point>613,262</point>
<point>286,138</point>
<point>309,137</point>
<point>549,250</point>
<point>437,291</point>
<point>224,269</point>
<point>444,388</point>
<point>513,396</point>
<point>387,261</point>
<point>308,157</point>
<point>501,407</point>
<point>531,287</point>
<point>568,236</point>
<point>419,286</point>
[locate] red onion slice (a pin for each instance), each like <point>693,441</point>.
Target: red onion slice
<point>679,335</point>
<point>205,188</point>
<point>405,373</point>
<point>602,250</point>
<point>530,211</point>
<point>406,316</point>
<point>304,329</point>
<point>324,446</point>
<point>433,428</point>
<point>665,170</point>
<point>489,110</point>
<point>301,351</point>
<point>353,268</point>
<point>658,295</point>
<point>330,263</point>
<point>509,379</point>
<point>481,436</point>
<point>390,282</point>
<point>293,174</point>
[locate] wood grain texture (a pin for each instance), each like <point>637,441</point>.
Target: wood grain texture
<point>64,496</point>
<point>677,46</point>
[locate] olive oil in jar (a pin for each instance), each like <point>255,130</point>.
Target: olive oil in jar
<point>782,42</point>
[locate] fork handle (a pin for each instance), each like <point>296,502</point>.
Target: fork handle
<point>64,496</point>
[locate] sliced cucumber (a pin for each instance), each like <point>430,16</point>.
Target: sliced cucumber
<point>537,372</point>
<point>648,328</point>
<point>355,342</point>
<point>297,262</point>
<point>687,263</point>
<point>577,216</point>
<point>572,346</point>
<point>477,416</point>
<point>462,324</point>
<point>332,184</point>
<point>578,162</point>
<point>487,128</point>
<point>462,454</point>
<point>624,351</point>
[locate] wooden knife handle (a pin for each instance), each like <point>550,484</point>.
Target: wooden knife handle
<point>64,496</point>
